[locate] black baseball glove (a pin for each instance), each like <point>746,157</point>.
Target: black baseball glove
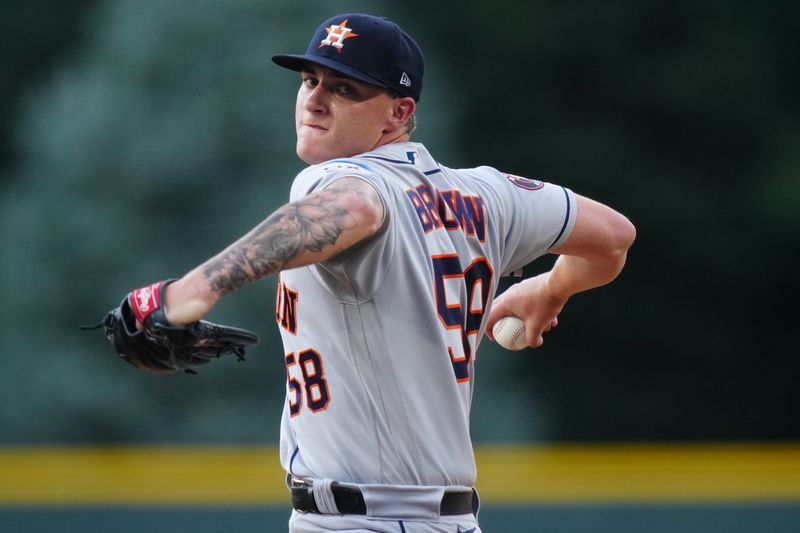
<point>162,348</point>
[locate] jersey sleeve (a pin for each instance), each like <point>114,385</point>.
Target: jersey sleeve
<point>533,218</point>
<point>355,274</point>
<point>317,177</point>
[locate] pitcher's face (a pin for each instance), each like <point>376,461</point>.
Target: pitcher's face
<point>337,116</point>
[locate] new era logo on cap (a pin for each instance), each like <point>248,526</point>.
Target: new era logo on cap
<point>371,49</point>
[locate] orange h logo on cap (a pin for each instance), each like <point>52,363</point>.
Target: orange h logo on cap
<point>337,33</point>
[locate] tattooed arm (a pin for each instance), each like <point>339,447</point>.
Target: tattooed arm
<point>310,230</point>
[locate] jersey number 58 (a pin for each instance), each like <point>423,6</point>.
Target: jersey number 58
<point>312,388</point>
<point>477,278</point>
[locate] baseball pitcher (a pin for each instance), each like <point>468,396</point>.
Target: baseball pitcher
<point>387,266</point>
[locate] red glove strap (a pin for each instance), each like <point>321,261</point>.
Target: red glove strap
<point>145,300</point>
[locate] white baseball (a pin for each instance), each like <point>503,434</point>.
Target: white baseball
<point>509,332</point>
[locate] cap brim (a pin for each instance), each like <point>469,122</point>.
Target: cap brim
<point>297,62</point>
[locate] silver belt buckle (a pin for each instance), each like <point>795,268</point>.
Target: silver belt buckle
<point>299,483</point>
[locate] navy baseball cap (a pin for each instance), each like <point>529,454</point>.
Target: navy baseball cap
<point>370,49</point>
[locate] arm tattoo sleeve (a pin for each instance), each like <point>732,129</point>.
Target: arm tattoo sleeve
<point>307,225</point>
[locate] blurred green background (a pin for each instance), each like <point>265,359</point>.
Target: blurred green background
<point>137,138</point>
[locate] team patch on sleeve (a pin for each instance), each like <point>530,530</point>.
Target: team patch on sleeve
<point>524,183</point>
<point>343,164</point>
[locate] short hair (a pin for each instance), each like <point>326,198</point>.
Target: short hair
<point>411,124</point>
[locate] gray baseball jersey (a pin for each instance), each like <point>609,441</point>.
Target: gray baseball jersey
<point>380,341</point>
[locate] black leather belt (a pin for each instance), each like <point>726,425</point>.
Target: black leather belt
<point>349,500</point>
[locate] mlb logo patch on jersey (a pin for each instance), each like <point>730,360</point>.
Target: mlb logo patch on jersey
<point>524,183</point>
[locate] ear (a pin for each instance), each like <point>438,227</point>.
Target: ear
<point>402,109</point>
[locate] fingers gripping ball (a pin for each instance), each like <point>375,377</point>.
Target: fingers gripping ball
<point>158,346</point>
<point>509,332</point>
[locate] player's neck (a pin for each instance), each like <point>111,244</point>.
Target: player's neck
<point>393,138</point>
